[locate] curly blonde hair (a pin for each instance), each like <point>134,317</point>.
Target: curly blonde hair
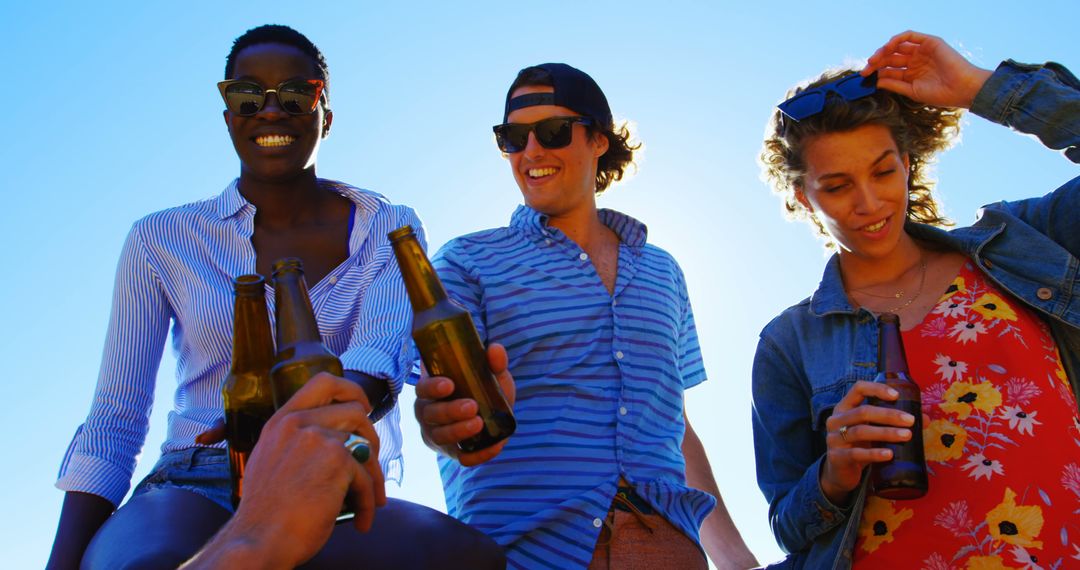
<point>919,130</point>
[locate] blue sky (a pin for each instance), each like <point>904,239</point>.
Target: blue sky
<point>114,114</point>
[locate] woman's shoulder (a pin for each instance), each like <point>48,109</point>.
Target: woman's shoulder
<point>795,318</point>
<point>178,219</point>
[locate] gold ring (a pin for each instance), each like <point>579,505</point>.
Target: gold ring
<point>843,432</point>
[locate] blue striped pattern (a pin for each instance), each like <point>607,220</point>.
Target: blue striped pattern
<point>579,357</point>
<point>176,269</point>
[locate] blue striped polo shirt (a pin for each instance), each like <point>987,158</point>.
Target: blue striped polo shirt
<point>176,270</point>
<point>600,380</point>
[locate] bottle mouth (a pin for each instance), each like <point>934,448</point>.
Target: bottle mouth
<point>249,285</point>
<point>287,263</point>
<point>252,279</point>
<point>400,233</point>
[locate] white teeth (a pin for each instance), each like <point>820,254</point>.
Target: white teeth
<point>274,140</point>
<point>539,172</point>
<point>874,227</point>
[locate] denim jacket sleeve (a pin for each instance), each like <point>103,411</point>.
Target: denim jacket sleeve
<point>1040,100</point>
<point>789,452</point>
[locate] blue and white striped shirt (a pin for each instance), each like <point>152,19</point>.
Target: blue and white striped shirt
<point>177,267</point>
<point>600,380</point>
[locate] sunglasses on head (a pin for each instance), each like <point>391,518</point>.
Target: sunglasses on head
<point>811,101</point>
<point>295,96</point>
<point>551,133</point>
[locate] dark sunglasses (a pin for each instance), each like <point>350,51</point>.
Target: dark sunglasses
<point>811,101</point>
<point>551,133</point>
<point>295,96</point>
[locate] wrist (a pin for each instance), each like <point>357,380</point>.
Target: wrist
<point>835,494</point>
<point>977,80</point>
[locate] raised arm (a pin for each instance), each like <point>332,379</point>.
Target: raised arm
<point>926,69</point>
<point>375,359</point>
<point>1040,100</point>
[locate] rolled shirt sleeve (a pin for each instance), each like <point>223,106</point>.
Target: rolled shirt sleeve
<point>101,457</point>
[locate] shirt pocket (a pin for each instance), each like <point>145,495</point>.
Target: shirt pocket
<point>825,397</point>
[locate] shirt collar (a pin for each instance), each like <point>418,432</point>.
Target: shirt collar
<point>630,231</point>
<point>231,201</point>
<point>830,296</point>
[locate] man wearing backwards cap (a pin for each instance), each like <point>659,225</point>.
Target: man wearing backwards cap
<point>604,469</point>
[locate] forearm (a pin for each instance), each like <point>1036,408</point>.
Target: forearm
<point>1041,100</point>
<point>80,518</point>
<point>719,536</point>
<point>376,390</point>
<point>234,547</point>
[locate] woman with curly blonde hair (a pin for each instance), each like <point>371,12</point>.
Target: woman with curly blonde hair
<point>990,320</point>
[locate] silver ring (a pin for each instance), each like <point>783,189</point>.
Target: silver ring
<point>843,432</point>
<point>359,447</point>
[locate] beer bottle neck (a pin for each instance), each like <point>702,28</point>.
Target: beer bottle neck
<point>421,281</point>
<point>295,317</point>
<point>891,357</point>
<point>253,347</point>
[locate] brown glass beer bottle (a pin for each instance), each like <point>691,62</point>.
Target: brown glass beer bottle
<point>904,476</point>
<point>300,351</point>
<point>247,394</point>
<point>449,343</point>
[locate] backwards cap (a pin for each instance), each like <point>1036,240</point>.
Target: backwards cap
<point>574,89</point>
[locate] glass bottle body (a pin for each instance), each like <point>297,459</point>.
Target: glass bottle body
<point>904,476</point>
<point>301,353</point>
<point>246,393</point>
<point>450,346</point>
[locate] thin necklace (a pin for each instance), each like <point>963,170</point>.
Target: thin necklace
<point>922,281</point>
<point>899,294</point>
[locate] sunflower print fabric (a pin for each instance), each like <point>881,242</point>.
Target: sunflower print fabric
<point>1002,444</point>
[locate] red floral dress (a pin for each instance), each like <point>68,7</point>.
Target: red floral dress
<point>1002,445</point>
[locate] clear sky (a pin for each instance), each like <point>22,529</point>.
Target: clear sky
<point>114,114</point>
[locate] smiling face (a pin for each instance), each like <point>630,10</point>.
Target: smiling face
<point>856,183</point>
<point>558,181</point>
<point>273,144</point>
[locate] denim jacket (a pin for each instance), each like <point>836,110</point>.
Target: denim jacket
<point>811,354</point>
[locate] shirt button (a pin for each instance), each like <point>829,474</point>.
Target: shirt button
<point>619,354</point>
<point>597,523</point>
<point>547,241</point>
<point>614,302</point>
<point>1044,293</point>
<point>989,264</point>
<point>622,411</point>
<point>333,280</point>
<point>583,257</point>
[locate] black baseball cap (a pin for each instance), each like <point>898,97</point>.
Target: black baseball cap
<point>574,89</point>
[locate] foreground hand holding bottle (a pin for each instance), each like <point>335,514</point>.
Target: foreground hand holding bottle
<point>301,353</point>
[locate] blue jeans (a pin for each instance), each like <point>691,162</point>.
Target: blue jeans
<point>200,470</point>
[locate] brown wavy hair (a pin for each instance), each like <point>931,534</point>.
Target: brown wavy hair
<point>619,156</point>
<point>919,130</point>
